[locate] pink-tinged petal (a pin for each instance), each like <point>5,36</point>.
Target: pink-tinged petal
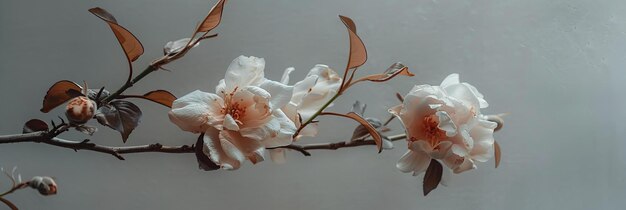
<point>412,161</point>
<point>451,79</point>
<point>285,78</point>
<point>467,165</point>
<point>446,124</point>
<point>240,148</point>
<point>278,155</point>
<point>263,131</point>
<point>196,111</point>
<point>312,102</point>
<point>459,150</point>
<point>328,79</point>
<point>213,149</point>
<point>482,134</point>
<point>280,93</point>
<point>230,123</point>
<point>244,71</point>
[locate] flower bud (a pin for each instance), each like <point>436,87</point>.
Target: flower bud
<point>45,185</point>
<point>80,110</point>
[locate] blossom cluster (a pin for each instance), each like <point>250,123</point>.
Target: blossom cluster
<point>249,113</point>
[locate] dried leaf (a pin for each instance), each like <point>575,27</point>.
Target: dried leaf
<point>432,176</point>
<point>497,153</point>
<point>86,129</point>
<point>35,125</point>
<point>130,44</point>
<point>359,108</point>
<point>8,203</point>
<point>58,94</point>
<point>390,73</point>
<point>213,19</point>
<point>372,131</point>
<point>358,53</point>
<point>162,97</point>
<point>203,161</point>
<point>361,131</point>
<point>122,116</point>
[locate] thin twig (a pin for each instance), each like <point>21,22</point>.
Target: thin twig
<point>43,137</point>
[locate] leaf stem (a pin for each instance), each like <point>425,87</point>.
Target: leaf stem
<point>316,114</point>
<point>151,68</point>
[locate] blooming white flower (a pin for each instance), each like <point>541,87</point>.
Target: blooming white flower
<point>309,95</point>
<point>444,122</point>
<point>242,118</point>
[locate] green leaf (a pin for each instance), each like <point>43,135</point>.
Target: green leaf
<point>122,116</point>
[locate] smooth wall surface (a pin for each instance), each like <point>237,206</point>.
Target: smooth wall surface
<point>556,66</point>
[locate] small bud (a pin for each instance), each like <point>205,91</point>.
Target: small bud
<point>45,185</point>
<point>80,110</point>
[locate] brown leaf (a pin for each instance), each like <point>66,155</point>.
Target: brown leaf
<point>58,94</point>
<point>391,72</point>
<point>372,131</point>
<point>358,53</point>
<point>130,44</point>
<point>213,19</point>
<point>204,162</point>
<point>122,116</point>
<point>497,153</point>
<point>162,97</point>
<point>432,176</point>
<point>35,125</point>
<point>8,203</point>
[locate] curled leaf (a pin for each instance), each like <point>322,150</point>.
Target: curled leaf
<point>213,19</point>
<point>432,176</point>
<point>35,125</point>
<point>391,72</point>
<point>8,203</point>
<point>162,97</point>
<point>361,131</point>
<point>497,153</point>
<point>203,161</point>
<point>358,53</point>
<point>93,94</point>
<point>122,116</point>
<point>130,44</point>
<point>58,94</point>
<point>370,128</point>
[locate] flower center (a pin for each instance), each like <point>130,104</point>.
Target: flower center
<point>432,133</point>
<point>233,107</point>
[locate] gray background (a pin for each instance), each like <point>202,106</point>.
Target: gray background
<point>556,66</point>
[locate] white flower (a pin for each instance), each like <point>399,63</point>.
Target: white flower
<point>444,122</point>
<point>242,118</point>
<point>309,96</point>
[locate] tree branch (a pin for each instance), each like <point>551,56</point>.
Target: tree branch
<point>42,137</point>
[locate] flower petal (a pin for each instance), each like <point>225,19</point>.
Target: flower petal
<point>279,92</point>
<point>285,78</point>
<point>230,123</point>
<point>213,149</point>
<point>244,71</point>
<point>412,161</point>
<point>196,111</point>
<point>451,79</point>
<point>446,123</point>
